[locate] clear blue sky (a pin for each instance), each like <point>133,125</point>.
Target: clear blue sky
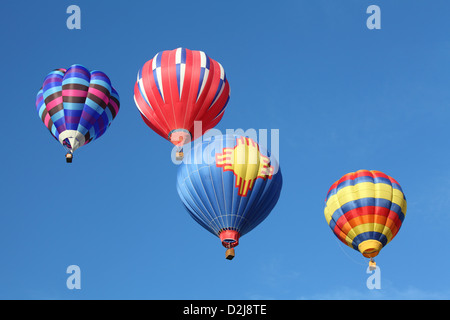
<point>343,97</point>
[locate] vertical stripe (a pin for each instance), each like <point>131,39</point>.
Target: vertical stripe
<point>183,86</point>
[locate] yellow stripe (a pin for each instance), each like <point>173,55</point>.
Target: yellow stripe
<point>349,241</point>
<point>367,227</point>
<point>363,190</point>
<point>328,213</point>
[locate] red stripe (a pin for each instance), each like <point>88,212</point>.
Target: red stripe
<point>357,174</point>
<point>363,213</point>
<point>207,94</point>
<point>208,114</point>
<point>174,99</point>
<point>143,106</point>
<point>193,108</point>
<point>167,108</point>
<point>185,95</point>
<point>218,105</point>
<point>148,115</point>
<point>58,101</point>
<point>154,97</point>
<point>382,175</point>
<point>361,173</point>
<point>187,83</point>
<point>47,120</point>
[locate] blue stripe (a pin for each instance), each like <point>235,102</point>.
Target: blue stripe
<point>158,59</point>
<point>59,122</point>
<point>78,76</point>
<point>73,113</point>
<point>221,83</point>
<point>177,67</point>
<point>109,116</point>
<point>55,132</point>
<point>99,79</point>
<point>58,115</point>
<point>202,75</point>
<point>52,86</point>
<point>92,105</point>
<point>41,110</point>
<point>371,235</point>
<point>155,76</point>
<point>81,128</point>
<point>364,202</point>
<point>73,106</point>
<point>49,90</point>
<point>183,55</point>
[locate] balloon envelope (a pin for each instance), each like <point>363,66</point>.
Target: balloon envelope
<point>229,185</point>
<point>77,105</point>
<point>365,210</point>
<point>179,87</point>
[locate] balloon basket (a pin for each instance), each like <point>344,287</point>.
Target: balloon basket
<point>229,254</point>
<point>69,158</point>
<point>179,155</point>
<point>372,265</point>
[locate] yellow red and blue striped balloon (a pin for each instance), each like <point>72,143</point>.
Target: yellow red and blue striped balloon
<point>365,209</point>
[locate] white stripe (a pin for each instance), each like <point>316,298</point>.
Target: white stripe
<point>205,77</point>
<point>154,62</point>
<point>158,75</point>
<point>202,59</point>
<point>222,72</point>
<point>182,71</point>
<point>142,89</point>
<point>178,56</point>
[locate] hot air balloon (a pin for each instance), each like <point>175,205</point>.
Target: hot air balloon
<point>177,88</point>
<point>77,106</point>
<point>365,209</point>
<point>229,185</point>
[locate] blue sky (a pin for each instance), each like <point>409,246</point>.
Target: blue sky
<point>343,98</point>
